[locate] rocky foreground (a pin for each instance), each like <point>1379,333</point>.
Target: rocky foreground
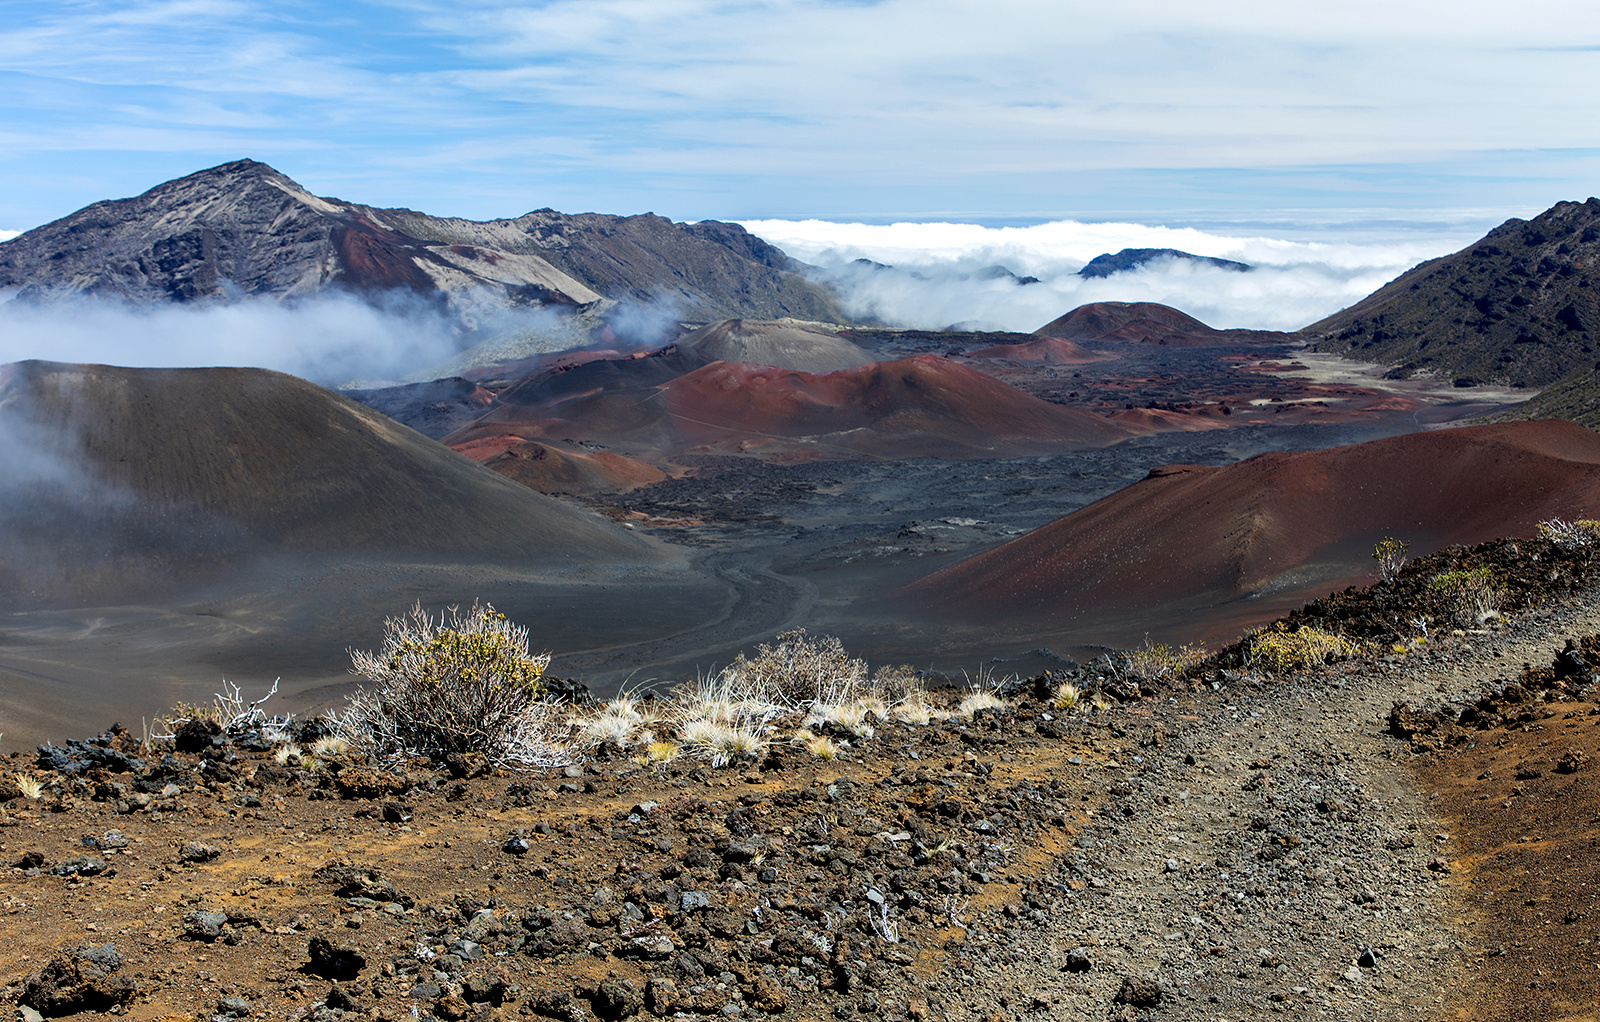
<point>1229,846</point>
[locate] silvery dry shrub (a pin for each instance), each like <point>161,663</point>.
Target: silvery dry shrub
<point>1390,553</point>
<point>1575,535</point>
<point>452,683</point>
<point>800,669</point>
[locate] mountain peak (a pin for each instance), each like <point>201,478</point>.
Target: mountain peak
<point>245,228</point>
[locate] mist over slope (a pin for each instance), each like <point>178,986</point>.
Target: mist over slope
<point>121,481</point>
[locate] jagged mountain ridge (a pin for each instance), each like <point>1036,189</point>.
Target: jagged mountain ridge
<point>245,228</point>
<point>1519,306</point>
<point>1129,259</point>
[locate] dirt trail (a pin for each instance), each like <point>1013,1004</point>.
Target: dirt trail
<point>1254,849</point>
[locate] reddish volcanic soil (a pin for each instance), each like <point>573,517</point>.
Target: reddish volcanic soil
<point>923,406</point>
<point>1058,350</point>
<point>549,468</point>
<point>931,403</point>
<point>1278,522</point>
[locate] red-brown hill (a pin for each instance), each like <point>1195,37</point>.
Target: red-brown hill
<point>1277,523</point>
<point>556,468</point>
<point>135,476</point>
<point>1148,323</point>
<point>923,406</point>
<point>1057,350</point>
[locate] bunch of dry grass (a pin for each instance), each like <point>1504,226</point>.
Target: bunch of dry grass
<point>723,717</point>
<point>1282,651</point>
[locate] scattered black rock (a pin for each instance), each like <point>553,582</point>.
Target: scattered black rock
<point>341,998</point>
<point>1138,992</point>
<point>83,980</point>
<point>205,926</point>
<point>80,866</point>
<point>197,734</point>
<point>196,851</point>
<point>332,962</point>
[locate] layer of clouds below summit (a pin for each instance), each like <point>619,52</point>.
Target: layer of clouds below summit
<point>334,339</point>
<point>935,283</point>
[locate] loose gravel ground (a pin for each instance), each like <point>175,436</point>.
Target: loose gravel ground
<point>1253,848</point>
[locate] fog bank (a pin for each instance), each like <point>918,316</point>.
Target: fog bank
<point>936,277</point>
<point>333,338</point>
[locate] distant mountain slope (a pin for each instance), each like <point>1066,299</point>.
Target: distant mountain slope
<point>803,346</point>
<point>132,478</point>
<point>1147,323</point>
<point>1576,399</point>
<point>1521,306</point>
<point>1133,258</point>
<point>1278,522</point>
<point>244,228</point>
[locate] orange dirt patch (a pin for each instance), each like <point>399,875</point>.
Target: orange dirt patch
<point>1526,869</point>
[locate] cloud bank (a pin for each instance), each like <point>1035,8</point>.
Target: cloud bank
<point>937,277</point>
<point>333,339</point>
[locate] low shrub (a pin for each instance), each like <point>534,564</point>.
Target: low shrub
<point>799,670</point>
<point>1156,660</point>
<point>1470,596</point>
<point>1282,651</point>
<point>1575,535</point>
<point>454,683</point>
<point>1390,553</point>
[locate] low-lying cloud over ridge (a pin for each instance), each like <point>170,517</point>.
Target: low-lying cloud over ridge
<point>935,279</point>
<point>334,338</point>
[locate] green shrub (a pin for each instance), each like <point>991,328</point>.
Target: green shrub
<point>453,684</point>
<point>1282,652</point>
<point>1471,596</point>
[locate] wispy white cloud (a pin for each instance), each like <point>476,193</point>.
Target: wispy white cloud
<point>332,339</point>
<point>935,281</point>
<point>761,107</point>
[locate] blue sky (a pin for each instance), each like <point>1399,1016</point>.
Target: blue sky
<point>1384,116</point>
<point>1331,146</point>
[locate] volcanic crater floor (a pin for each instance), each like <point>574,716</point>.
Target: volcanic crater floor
<point>1255,848</point>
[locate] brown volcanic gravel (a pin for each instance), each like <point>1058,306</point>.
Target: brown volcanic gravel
<point>1256,849</point>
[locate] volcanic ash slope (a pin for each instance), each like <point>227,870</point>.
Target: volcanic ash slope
<point>123,479</point>
<point>1281,521</point>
